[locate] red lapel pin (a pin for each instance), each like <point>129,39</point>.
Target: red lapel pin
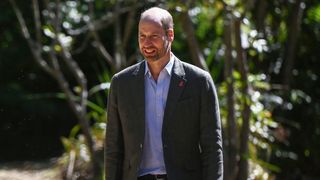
<point>181,83</point>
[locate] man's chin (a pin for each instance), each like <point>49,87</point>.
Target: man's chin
<point>151,58</point>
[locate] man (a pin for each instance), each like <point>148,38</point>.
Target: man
<point>163,114</point>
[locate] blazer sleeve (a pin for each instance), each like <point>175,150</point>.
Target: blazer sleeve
<point>210,132</point>
<point>114,141</point>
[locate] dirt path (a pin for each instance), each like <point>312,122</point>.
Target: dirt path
<point>44,170</point>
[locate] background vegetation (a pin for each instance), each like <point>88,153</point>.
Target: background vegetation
<point>57,57</point>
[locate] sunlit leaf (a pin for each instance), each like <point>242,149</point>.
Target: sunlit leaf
<point>48,31</point>
<point>314,13</point>
<point>57,48</point>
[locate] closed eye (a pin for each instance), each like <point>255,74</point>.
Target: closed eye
<point>142,36</point>
<point>155,36</point>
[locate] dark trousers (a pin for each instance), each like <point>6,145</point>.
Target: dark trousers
<point>153,177</point>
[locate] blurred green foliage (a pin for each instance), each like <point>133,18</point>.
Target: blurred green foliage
<point>284,123</point>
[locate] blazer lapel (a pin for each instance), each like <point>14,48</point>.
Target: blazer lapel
<point>177,85</point>
<point>139,98</point>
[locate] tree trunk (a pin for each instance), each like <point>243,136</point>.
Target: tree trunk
<point>231,157</point>
<point>293,33</point>
<point>261,15</point>
<point>244,135</point>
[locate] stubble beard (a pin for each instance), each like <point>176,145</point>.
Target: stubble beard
<point>158,53</point>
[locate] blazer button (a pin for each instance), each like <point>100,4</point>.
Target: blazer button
<point>141,146</point>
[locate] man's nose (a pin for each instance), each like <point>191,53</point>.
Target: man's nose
<point>147,41</point>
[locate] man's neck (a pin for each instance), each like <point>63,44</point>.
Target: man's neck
<point>155,67</point>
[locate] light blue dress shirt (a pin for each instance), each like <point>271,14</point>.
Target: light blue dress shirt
<point>156,93</point>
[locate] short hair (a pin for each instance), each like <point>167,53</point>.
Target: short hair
<point>163,15</point>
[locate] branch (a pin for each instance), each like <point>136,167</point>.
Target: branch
<point>103,22</point>
<point>196,54</point>
<point>36,14</point>
<point>34,46</point>
<point>79,76</point>
<point>63,83</point>
<point>82,46</point>
<point>80,109</point>
<point>103,51</point>
<point>97,42</point>
<point>118,53</point>
<point>129,24</point>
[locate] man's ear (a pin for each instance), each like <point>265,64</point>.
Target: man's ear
<point>170,34</point>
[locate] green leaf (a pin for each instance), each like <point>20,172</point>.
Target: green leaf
<point>314,14</point>
<point>66,144</point>
<point>74,131</point>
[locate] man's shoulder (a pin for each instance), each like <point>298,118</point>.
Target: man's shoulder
<point>192,70</point>
<point>129,71</point>
<point>196,75</point>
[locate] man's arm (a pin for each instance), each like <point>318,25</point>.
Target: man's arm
<point>114,140</point>
<point>210,137</point>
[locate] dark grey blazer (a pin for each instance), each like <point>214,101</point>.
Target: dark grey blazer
<point>191,133</point>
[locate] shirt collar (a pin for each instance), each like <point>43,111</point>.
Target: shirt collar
<point>168,66</point>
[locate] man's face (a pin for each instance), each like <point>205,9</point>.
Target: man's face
<point>154,42</point>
